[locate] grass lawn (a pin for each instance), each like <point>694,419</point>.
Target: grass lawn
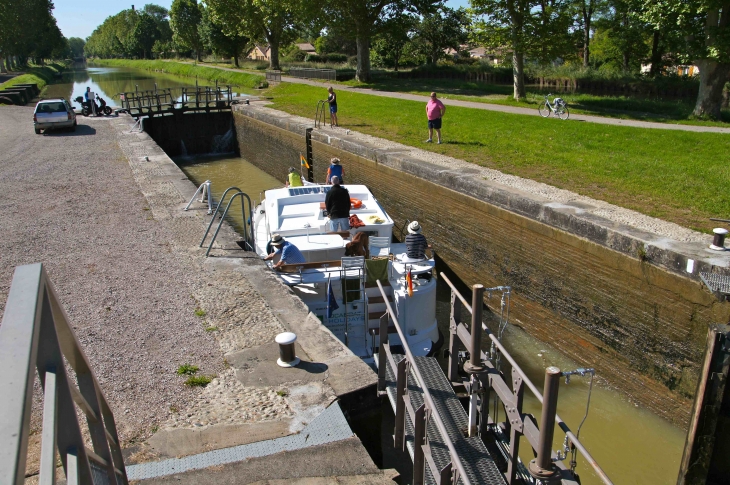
<point>624,107</point>
<point>36,75</point>
<point>673,175</point>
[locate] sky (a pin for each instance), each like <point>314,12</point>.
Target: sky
<point>79,18</point>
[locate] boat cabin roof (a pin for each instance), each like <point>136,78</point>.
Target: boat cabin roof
<point>298,211</point>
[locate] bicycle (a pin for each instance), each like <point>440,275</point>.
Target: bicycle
<point>558,106</point>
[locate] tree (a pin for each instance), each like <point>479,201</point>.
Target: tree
<point>162,18</point>
<point>185,17</point>
<point>705,25</point>
<point>447,28</point>
<point>507,23</point>
<point>144,35</point>
<point>216,40</point>
<point>273,20</point>
<point>621,38</point>
<point>395,34</point>
<point>76,45</point>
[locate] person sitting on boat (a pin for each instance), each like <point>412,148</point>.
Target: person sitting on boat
<point>416,243</point>
<point>337,203</point>
<point>290,254</point>
<point>335,170</point>
<point>294,179</point>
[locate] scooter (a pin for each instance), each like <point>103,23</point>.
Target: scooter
<point>86,108</point>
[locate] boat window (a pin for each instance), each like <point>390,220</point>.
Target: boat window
<point>308,190</point>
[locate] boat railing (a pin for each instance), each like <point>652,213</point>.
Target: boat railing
<point>36,336</point>
<point>519,424</point>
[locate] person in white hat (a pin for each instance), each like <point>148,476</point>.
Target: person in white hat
<point>416,243</point>
<point>290,254</point>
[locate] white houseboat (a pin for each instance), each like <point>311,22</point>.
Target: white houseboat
<point>298,214</point>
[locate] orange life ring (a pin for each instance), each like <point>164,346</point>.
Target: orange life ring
<point>355,203</point>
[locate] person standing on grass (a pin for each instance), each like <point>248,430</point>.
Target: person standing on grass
<point>435,110</point>
<point>332,100</point>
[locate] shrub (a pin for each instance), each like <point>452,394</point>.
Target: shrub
<point>337,58</point>
<point>315,58</point>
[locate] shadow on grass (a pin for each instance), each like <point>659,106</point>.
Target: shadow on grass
<point>464,143</point>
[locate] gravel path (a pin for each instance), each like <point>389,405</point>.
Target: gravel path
<point>70,201</point>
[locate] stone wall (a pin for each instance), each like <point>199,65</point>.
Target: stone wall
<point>608,301</point>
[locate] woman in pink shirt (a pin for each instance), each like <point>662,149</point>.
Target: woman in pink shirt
<point>435,109</point>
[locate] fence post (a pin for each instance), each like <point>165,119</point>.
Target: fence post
<point>474,367</point>
<point>542,467</point>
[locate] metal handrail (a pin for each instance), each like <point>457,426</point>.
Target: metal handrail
<point>35,331</point>
<point>574,439</point>
<point>426,393</point>
<point>249,238</point>
<point>320,118</point>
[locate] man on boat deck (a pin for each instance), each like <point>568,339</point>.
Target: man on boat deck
<point>337,203</point>
<point>416,243</point>
<point>290,254</point>
<point>335,170</point>
<point>294,179</point>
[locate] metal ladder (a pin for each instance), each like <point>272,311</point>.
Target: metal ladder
<point>355,264</point>
<point>247,224</point>
<point>320,118</point>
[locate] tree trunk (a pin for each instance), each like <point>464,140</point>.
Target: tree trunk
<point>626,59</point>
<point>656,56</point>
<point>363,59</point>
<point>235,56</point>
<point>587,16</point>
<point>2,64</point>
<point>274,55</point>
<point>713,76</point>
<point>518,74</point>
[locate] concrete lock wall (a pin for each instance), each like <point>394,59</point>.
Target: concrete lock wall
<point>642,326</point>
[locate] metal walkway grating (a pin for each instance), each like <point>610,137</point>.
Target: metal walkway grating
<point>328,427</point>
<point>717,283</point>
<point>479,465</point>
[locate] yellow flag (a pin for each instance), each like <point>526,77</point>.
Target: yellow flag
<point>304,161</point>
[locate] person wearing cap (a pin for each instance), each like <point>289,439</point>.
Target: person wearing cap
<point>290,254</point>
<point>416,243</point>
<point>335,170</point>
<point>294,179</point>
<point>337,203</point>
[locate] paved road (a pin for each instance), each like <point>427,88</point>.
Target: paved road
<point>504,109</point>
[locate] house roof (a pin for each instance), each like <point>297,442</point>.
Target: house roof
<point>306,47</point>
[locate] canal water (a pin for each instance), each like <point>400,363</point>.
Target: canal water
<point>631,444</point>
<point>108,82</point>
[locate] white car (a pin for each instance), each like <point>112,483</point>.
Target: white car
<point>53,114</point>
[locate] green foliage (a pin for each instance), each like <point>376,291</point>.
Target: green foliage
<point>187,370</point>
<point>185,17</point>
<point>213,37</point>
<point>199,312</point>
<point>76,45</point>
<point>198,381</point>
<point>446,28</point>
<point>37,75</point>
<point>242,79</point>
<point>678,176</point>
<point>28,30</point>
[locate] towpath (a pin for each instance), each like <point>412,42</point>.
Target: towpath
<point>102,209</point>
<point>504,109</point>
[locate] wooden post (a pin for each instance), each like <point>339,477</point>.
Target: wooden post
<point>705,458</point>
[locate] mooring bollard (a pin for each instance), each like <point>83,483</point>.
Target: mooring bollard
<point>718,241</point>
<point>542,467</point>
<point>286,349</point>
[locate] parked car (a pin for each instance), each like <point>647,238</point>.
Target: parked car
<point>53,114</point>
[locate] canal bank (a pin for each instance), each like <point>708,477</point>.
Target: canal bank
<point>609,288</point>
<point>106,218</point>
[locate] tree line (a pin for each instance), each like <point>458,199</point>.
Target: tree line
<point>613,35</point>
<point>28,31</point>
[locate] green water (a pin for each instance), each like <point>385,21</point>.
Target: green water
<point>108,82</point>
<point>631,444</point>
